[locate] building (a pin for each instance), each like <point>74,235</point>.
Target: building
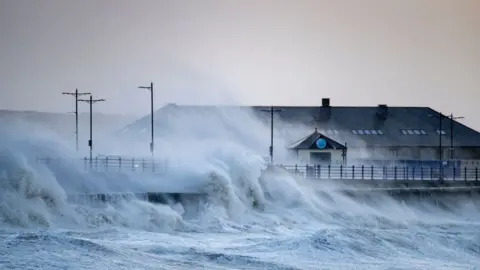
<point>317,148</point>
<point>364,133</point>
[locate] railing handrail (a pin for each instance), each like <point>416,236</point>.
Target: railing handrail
<point>372,172</point>
<point>316,171</point>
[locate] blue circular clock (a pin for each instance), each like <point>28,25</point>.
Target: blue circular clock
<point>321,143</point>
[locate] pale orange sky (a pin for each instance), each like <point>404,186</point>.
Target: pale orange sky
<point>403,52</point>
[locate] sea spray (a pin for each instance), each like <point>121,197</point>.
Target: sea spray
<point>301,222</point>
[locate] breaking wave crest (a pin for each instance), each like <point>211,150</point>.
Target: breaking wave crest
<point>238,196</point>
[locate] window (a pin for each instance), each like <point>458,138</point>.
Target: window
<point>366,132</point>
<point>328,131</point>
<point>413,132</point>
<point>441,131</point>
<point>393,152</point>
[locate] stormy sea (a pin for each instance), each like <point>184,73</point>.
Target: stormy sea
<point>244,222</point>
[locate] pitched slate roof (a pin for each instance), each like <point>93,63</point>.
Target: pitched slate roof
<point>309,142</point>
<point>342,122</point>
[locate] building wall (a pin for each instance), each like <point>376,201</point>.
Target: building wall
<point>392,153</point>
<point>467,153</point>
<point>304,155</point>
<point>400,153</point>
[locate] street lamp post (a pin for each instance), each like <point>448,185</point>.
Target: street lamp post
<point>76,94</point>
<point>272,110</point>
<point>152,143</point>
<point>452,149</point>
<point>440,131</point>
<point>91,101</point>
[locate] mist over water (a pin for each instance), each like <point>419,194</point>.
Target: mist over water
<point>275,221</point>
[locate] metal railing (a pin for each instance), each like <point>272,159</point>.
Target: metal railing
<point>333,172</point>
<point>361,172</point>
<point>111,164</point>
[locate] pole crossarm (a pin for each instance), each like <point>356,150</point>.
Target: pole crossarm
<point>456,117</point>
<point>92,100</point>
<point>76,94</point>
<point>269,110</point>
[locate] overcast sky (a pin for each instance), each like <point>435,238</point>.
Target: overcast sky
<point>398,52</point>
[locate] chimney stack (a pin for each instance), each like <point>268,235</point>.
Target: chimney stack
<point>325,102</point>
<point>382,111</point>
<point>325,111</point>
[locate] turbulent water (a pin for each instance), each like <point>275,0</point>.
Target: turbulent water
<point>295,228</point>
<point>246,222</point>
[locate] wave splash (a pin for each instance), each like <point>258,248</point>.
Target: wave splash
<point>238,195</point>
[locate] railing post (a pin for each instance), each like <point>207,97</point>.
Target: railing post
<point>119,164</point>
<point>476,173</point>
<point>421,173</point>
<point>385,175</point>
<point>372,175</point>
<point>143,164</point>
<point>353,171</point>
<point>413,173</point>
<point>319,175</point>
<point>133,164</point>
<point>431,173</point>
<point>106,164</point>
<point>465,176</point>
<point>96,164</point>
<point>341,171</point>
<point>362,172</point>
<point>395,173</point>
<point>306,171</point>
<point>454,173</point>
<point>296,169</point>
<point>329,171</point>
<point>85,163</point>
